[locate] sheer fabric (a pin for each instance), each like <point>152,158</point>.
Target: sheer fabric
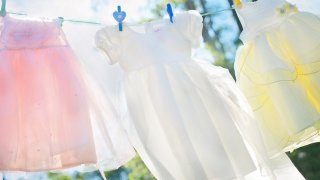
<point>277,69</point>
<point>51,114</point>
<point>184,117</point>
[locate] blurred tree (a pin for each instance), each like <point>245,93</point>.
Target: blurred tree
<point>307,160</point>
<point>138,170</point>
<point>58,176</point>
<point>235,16</point>
<point>119,174</point>
<point>215,29</point>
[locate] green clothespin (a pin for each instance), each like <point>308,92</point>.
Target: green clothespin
<point>3,8</point>
<point>61,20</point>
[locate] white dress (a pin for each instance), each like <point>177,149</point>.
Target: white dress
<point>184,116</point>
<point>277,69</point>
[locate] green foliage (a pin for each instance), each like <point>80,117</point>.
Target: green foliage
<point>307,160</point>
<point>138,170</point>
<point>58,176</point>
<point>118,174</point>
<point>220,60</point>
<point>212,32</point>
<point>134,170</point>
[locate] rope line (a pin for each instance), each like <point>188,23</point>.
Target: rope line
<point>98,23</point>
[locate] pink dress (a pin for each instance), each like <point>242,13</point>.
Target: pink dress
<point>46,117</point>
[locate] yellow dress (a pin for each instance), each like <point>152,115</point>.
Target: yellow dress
<point>277,69</point>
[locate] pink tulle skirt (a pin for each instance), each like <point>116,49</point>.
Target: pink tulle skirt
<point>44,104</point>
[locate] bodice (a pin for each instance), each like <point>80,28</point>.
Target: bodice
<point>17,33</point>
<point>152,43</point>
<point>259,15</point>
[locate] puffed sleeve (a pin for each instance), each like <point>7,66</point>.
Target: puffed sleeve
<point>108,41</point>
<point>190,24</point>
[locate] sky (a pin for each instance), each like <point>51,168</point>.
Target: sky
<point>101,10</point>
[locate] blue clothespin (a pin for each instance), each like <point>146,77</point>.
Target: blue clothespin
<point>119,16</point>
<point>170,12</point>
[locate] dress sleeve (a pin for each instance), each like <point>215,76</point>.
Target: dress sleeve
<point>190,24</point>
<point>108,41</point>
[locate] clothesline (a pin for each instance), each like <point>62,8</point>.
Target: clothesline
<point>98,23</point>
<point>216,12</point>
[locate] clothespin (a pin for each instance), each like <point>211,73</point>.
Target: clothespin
<point>170,12</point>
<point>3,8</point>
<point>61,20</point>
<point>119,16</point>
<point>237,2</point>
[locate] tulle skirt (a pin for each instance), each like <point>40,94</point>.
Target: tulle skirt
<point>44,112</point>
<point>184,121</point>
<point>53,115</point>
<point>278,71</point>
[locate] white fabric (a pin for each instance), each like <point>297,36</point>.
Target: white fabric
<point>277,69</point>
<point>281,166</point>
<point>110,139</point>
<point>104,82</point>
<point>283,170</point>
<point>252,13</point>
<point>184,116</point>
